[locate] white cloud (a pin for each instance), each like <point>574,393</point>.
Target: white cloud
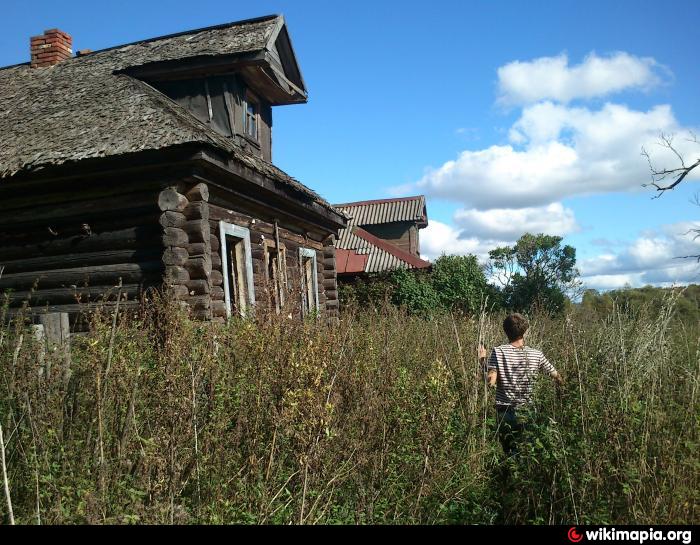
<point>510,224</point>
<point>551,78</point>
<point>653,258</point>
<point>438,238</point>
<point>559,152</point>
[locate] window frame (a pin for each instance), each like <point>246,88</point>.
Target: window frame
<point>250,98</point>
<point>232,230</point>
<point>309,253</point>
<point>281,286</point>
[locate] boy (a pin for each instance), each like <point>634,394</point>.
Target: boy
<point>512,369</point>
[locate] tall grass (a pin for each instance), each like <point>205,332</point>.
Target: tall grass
<point>384,419</point>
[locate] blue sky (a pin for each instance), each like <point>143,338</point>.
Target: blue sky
<point>409,97</point>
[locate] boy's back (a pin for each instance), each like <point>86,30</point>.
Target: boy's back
<point>517,369</point>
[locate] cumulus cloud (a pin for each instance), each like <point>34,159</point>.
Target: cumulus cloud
<point>558,152</point>
<point>438,238</point>
<point>653,258</point>
<point>552,78</point>
<point>509,224</point>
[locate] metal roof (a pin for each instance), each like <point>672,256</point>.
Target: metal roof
<point>382,254</point>
<point>386,211</point>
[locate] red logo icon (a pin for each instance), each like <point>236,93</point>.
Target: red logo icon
<point>573,535</point>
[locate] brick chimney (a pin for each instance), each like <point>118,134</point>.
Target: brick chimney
<point>51,48</point>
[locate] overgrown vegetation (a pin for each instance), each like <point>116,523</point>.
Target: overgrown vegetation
<point>384,419</point>
<point>538,273</point>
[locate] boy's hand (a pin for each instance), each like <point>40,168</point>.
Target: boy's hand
<point>481,351</point>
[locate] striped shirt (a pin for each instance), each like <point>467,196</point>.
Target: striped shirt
<point>517,370</point>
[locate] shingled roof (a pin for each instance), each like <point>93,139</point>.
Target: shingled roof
<point>85,107</point>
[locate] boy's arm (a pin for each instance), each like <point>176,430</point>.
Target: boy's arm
<point>547,367</point>
<point>492,377</point>
<point>491,366</point>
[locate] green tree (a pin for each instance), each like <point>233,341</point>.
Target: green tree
<point>459,282</point>
<point>538,271</point>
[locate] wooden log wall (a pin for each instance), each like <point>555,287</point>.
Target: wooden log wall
<point>260,232</point>
<point>330,281</point>
<point>65,247</point>
<point>187,255</point>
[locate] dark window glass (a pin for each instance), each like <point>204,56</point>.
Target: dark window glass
<point>251,118</point>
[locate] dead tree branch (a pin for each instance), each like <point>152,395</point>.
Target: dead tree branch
<point>665,179</point>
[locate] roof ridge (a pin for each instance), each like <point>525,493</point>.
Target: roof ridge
<point>379,201</point>
<point>394,250</point>
<point>193,31</point>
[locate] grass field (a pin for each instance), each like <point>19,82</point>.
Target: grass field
<point>384,419</point>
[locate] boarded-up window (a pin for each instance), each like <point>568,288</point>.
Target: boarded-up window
<point>309,280</point>
<point>276,273</point>
<point>237,269</point>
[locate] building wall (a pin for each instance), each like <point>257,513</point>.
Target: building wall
<point>402,234</point>
<point>65,246</point>
<point>262,233</point>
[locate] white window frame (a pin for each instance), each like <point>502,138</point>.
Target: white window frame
<point>229,229</point>
<point>310,253</point>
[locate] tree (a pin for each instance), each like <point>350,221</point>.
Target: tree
<point>460,282</point>
<point>536,272</point>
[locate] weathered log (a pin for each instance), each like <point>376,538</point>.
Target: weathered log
<point>217,293</point>
<point>216,260</point>
<point>197,249</point>
<point>218,308</point>
<point>170,199</point>
<point>170,218</point>
<point>331,295</point>
<point>197,230</point>
<point>176,275</point>
<point>175,256</point>
<point>332,304</point>
<point>198,287</point>
<point>179,291</point>
<point>101,275</point>
<point>45,243</point>
<point>82,294</point>
<point>85,210</point>
<point>199,192</point>
<point>214,241</point>
<point>107,257</point>
<point>199,302</point>
<point>330,284</point>
<point>197,211</point>
<point>216,278</point>
<point>174,237</point>
<point>329,263</point>
<point>198,268</point>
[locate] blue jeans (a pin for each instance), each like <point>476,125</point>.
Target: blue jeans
<point>510,428</point>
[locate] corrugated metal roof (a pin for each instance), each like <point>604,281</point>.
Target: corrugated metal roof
<point>383,255</point>
<point>386,210</point>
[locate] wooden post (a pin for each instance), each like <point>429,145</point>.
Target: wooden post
<point>44,364</point>
<point>57,332</point>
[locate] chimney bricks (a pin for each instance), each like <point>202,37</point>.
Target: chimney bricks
<point>51,48</point>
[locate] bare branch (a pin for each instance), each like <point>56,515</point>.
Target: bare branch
<point>676,174</point>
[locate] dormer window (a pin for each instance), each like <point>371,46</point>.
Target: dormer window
<point>251,112</point>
